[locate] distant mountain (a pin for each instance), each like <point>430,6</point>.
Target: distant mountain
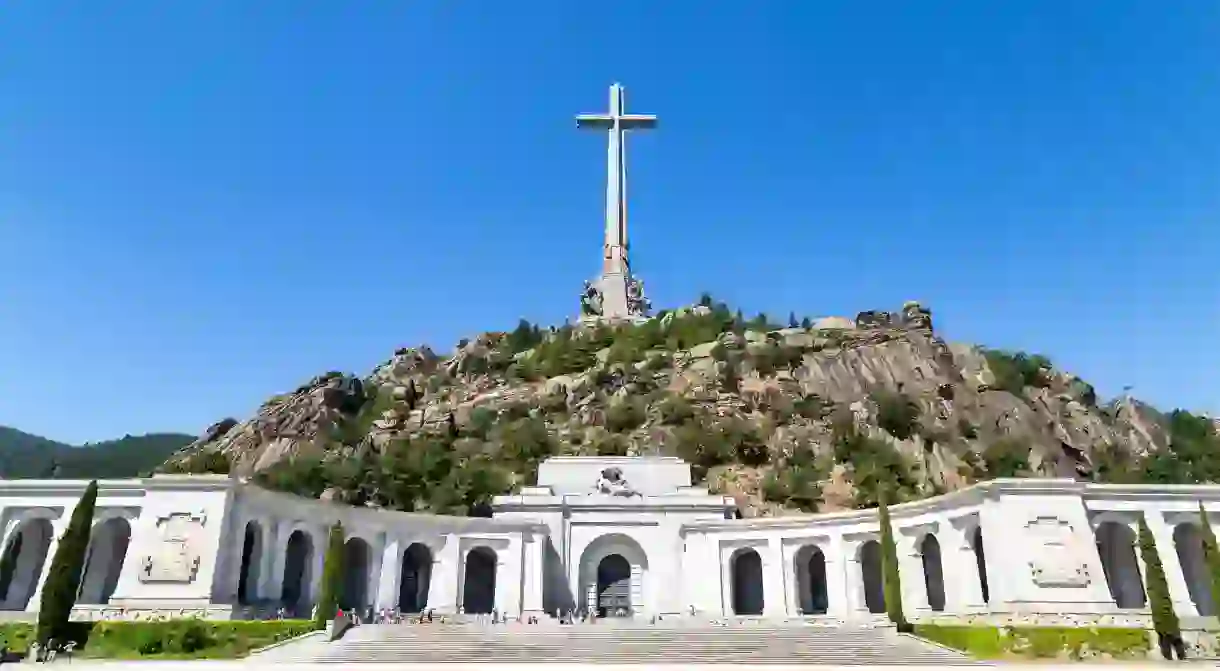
<point>24,455</point>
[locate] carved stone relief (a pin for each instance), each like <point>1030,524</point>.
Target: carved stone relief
<point>1057,559</point>
<point>175,557</point>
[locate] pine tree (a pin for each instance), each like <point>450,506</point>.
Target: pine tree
<point>1211,555</point>
<point>63,579</point>
<point>890,578</point>
<point>806,323</point>
<point>1164,619</point>
<point>792,322</point>
<point>332,578</point>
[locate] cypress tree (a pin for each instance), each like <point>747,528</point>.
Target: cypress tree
<point>890,578</point>
<point>63,579</point>
<point>1211,555</point>
<point>332,578</point>
<point>1164,619</point>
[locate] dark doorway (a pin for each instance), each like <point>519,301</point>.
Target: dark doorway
<point>479,586</point>
<point>870,571</point>
<point>980,560</point>
<point>747,573</point>
<point>416,579</point>
<point>614,587</point>
<point>251,558</point>
<point>355,575</point>
<point>811,580</point>
<point>298,558</point>
<point>933,572</point>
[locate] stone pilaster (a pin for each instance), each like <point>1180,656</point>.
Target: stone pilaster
<point>389,575</point>
<point>1167,549</point>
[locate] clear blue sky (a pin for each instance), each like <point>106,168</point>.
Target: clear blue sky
<point>205,203</point>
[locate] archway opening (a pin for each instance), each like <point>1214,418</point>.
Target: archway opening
<point>1116,546</point>
<point>479,585</point>
<point>809,565</point>
<point>746,568</point>
<point>298,571</point>
<point>251,560</point>
<point>933,572</point>
<point>870,572</point>
<point>980,562</point>
<point>415,579</point>
<point>614,586</point>
<point>108,543</point>
<point>356,556</point>
<point>612,575</point>
<point>1188,541</point>
<point>22,562</point>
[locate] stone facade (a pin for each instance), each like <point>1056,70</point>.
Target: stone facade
<point>620,535</point>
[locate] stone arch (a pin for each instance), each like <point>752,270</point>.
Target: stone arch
<point>108,543</point>
<point>980,562</point>
<point>614,586</point>
<point>745,567</point>
<point>415,579</point>
<point>357,558</point>
<point>1116,547</point>
<point>610,585</point>
<point>251,563</point>
<point>1188,541</point>
<point>298,571</point>
<point>809,566</point>
<point>870,575</point>
<point>933,572</point>
<point>479,582</point>
<point>22,562</point>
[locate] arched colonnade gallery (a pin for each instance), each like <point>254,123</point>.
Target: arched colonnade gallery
<point>1048,547</point>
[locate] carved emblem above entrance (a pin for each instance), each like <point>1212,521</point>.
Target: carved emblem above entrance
<point>175,558</point>
<point>613,483</point>
<point>1056,557</point>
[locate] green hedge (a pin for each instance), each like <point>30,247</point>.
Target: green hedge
<point>168,639</point>
<point>1040,642</point>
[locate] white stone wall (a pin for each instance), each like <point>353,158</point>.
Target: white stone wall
<point>186,536</point>
<point>1039,541</point>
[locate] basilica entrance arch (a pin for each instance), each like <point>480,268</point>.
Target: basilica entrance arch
<point>612,573</point>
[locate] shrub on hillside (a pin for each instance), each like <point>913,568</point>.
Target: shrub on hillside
<point>897,413</point>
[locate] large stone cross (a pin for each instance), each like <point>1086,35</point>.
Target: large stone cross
<point>616,267</point>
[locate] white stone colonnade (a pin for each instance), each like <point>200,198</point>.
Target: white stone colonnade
<point>1007,550</point>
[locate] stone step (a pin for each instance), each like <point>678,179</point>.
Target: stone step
<point>746,644</point>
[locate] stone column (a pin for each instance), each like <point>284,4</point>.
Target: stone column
<point>372,586</point>
<point>535,574</point>
<point>963,591</point>
<point>271,571</point>
<point>910,573</point>
<point>853,572</point>
<point>443,589</point>
<point>508,578</point>
<point>838,590</point>
<point>320,537</point>
<point>1167,549</point>
<point>389,575</point>
<point>773,578</point>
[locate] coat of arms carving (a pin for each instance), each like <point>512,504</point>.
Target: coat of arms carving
<point>1056,557</point>
<point>175,557</point>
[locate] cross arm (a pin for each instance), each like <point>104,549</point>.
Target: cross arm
<point>641,121</point>
<point>626,121</point>
<point>595,121</point>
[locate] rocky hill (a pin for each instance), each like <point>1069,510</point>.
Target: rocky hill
<point>810,416</point>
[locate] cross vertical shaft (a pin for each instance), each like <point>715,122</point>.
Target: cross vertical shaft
<point>616,265</point>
